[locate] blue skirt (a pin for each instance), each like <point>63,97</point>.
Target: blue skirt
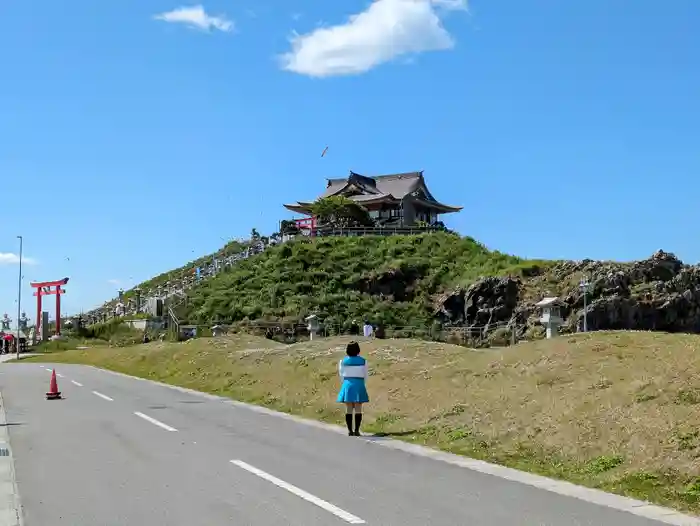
<point>353,391</point>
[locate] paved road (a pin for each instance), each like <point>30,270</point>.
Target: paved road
<point>119,451</point>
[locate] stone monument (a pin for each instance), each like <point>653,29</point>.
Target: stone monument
<point>137,292</point>
<point>23,322</point>
<point>44,329</point>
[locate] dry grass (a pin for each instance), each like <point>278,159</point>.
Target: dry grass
<point>616,410</point>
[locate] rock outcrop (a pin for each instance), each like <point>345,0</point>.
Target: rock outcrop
<point>659,293</point>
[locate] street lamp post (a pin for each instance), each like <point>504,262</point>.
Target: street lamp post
<point>584,284</point>
<point>19,293</point>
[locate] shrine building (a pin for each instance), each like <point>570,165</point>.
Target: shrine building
<point>391,200</point>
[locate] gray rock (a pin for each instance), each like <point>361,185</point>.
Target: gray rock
<point>659,293</point>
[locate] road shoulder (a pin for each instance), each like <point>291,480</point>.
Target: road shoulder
<point>10,506</point>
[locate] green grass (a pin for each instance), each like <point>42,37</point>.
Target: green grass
<point>69,343</point>
<point>113,333</point>
<point>391,280</point>
<point>50,347</point>
<point>611,410</point>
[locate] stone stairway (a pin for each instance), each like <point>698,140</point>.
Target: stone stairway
<point>173,293</point>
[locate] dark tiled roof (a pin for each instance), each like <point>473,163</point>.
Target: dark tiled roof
<point>369,197</point>
<point>393,187</point>
<point>398,185</point>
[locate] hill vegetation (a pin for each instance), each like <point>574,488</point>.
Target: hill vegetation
<point>391,280</point>
<point>618,411</point>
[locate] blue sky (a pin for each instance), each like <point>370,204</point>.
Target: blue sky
<point>138,134</point>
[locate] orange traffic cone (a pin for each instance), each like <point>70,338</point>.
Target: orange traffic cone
<point>54,393</point>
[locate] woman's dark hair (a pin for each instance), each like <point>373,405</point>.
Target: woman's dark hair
<point>353,349</point>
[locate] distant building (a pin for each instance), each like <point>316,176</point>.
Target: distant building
<point>398,199</point>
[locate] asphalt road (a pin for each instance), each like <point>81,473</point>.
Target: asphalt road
<point>119,451</point>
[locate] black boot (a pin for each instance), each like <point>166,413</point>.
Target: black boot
<point>348,422</point>
<point>358,421</point>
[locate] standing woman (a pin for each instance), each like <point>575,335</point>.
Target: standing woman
<point>353,393</point>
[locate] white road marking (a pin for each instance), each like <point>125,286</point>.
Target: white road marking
<point>59,375</point>
<point>103,396</point>
<point>154,421</point>
<point>76,383</point>
<point>560,487</point>
<point>347,517</point>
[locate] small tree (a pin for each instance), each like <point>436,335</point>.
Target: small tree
<point>340,212</point>
<point>289,227</point>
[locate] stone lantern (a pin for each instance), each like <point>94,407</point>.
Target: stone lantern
<point>313,325</point>
<point>551,315</point>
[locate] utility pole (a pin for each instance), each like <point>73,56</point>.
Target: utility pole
<point>19,293</point>
<point>584,284</point>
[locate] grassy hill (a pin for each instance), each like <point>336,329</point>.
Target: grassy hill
<point>391,280</point>
<point>615,410</point>
<point>440,280</point>
<point>436,284</point>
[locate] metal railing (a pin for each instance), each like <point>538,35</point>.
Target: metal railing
<point>493,335</point>
<point>174,320</point>
<point>374,231</point>
<point>178,287</point>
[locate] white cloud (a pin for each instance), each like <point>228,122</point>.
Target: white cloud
<point>196,16</point>
<point>386,30</point>
<point>114,282</point>
<point>456,5</point>
<point>8,258</point>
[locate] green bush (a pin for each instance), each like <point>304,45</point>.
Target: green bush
<point>501,337</point>
<point>56,345</point>
<point>114,331</point>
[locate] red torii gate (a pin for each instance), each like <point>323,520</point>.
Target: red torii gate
<point>44,289</point>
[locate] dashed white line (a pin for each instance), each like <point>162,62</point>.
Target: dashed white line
<point>59,375</point>
<point>154,421</point>
<point>76,383</point>
<point>594,496</point>
<point>335,510</point>
<point>103,396</point>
